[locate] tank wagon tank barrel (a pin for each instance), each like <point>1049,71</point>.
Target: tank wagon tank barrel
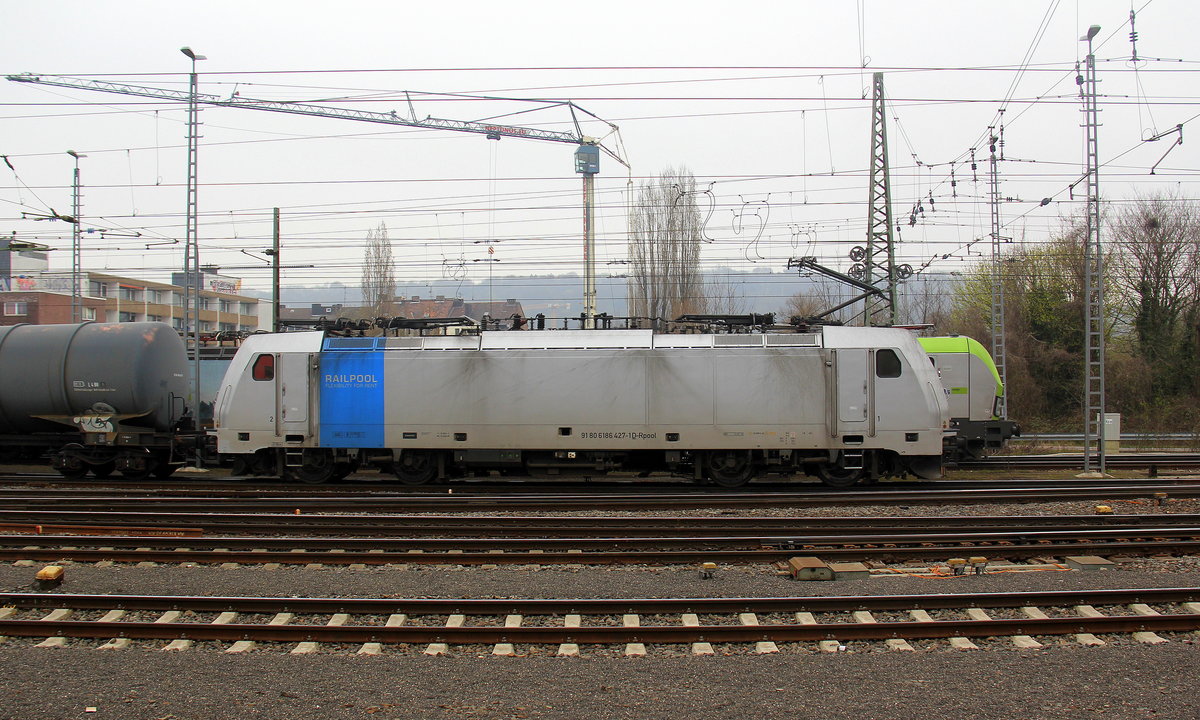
<point>100,396</point>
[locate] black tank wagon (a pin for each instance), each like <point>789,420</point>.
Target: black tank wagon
<point>94,396</point>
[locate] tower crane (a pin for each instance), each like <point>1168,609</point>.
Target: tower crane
<point>587,154</point>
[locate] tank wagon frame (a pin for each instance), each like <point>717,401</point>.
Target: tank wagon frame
<point>843,404</point>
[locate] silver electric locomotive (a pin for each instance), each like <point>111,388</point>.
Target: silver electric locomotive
<point>844,404</point>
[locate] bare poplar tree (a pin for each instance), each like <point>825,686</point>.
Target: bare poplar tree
<point>378,272</point>
<point>664,248</point>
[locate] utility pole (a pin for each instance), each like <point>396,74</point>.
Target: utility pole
<point>998,333</point>
<point>191,251</point>
<point>76,251</point>
<point>880,239</point>
<point>1093,272</point>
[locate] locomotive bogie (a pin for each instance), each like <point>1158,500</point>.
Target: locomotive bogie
<point>722,407</point>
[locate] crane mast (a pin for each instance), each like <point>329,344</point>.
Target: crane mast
<point>589,147</point>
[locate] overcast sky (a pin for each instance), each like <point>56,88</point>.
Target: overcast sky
<point>762,101</point>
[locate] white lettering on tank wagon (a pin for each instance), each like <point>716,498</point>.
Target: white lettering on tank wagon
<point>88,385</point>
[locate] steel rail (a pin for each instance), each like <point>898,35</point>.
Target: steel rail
<point>427,544</point>
<point>764,555</point>
<point>1075,460</point>
<point>260,487</point>
<point>666,634</point>
<point>136,523</point>
<point>475,503</point>
<point>601,606</point>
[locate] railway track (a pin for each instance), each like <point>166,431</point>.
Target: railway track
<point>182,484</point>
<point>678,549</point>
<point>493,526</point>
<point>50,499</point>
<point>1075,460</point>
<point>433,626</point>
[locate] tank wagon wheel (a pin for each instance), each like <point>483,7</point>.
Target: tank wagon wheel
<point>318,467</point>
<point>105,469</point>
<point>729,468</point>
<point>838,476</point>
<point>416,467</point>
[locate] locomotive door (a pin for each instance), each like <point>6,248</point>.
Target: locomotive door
<point>291,394</point>
<point>852,396</point>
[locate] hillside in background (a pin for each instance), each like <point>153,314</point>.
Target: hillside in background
<point>562,295</point>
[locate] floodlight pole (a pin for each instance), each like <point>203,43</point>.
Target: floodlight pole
<point>191,252</point>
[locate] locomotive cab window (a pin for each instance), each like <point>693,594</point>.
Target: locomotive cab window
<point>264,367</point>
<point>887,363</point>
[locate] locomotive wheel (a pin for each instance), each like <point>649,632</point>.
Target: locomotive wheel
<point>103,470</point>
<point>318,468</point>
<point>73,473</point>
<point>839,477</point>
<point>730,468</point>
<point>416,467</point>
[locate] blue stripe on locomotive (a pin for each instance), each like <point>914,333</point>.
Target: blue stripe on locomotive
<point>351,399</point>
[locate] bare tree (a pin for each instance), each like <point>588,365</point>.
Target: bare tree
<point>378,272</point>
<point>1157,274</point>
<point>721,296</point>
<point>822,295</point>
<point>664,248</point>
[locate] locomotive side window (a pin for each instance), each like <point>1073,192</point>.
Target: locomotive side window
<point>887,363</point>
<point>264,367</point>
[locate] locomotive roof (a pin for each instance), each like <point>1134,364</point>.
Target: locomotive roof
<point>829,336</point>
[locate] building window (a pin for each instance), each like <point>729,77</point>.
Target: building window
<point>248,308</point>
<point>16,308</point>
<point>154,296</point>
<point>127,317</point>
<point>177,323</point>
<point>89,313</point>
<point>130,293</point>
<point>98,289</point>
<point>226,306</point>
<point>154,318</point>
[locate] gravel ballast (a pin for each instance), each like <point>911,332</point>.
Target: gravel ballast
<point>1123,679</point>
<point>1066,683</point>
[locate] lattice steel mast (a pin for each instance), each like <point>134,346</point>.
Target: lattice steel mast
<point>1093,273</point>
<point>998,332</point>
<point>880,239</point>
